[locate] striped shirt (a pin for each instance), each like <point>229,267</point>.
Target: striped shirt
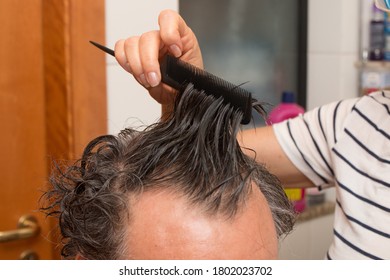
<point>346,144</point>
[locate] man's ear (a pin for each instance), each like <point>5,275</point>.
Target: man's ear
<point>79,257</point>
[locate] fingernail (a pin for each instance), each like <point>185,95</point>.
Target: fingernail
<point>175,50</point>
<point>143,80</point>
<point>152,79</point>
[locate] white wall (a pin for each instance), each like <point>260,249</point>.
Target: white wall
<point>309,241</point>
<point>128,102</point>
<point>332,51</point>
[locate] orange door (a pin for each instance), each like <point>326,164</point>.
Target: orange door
<point>48,73</point>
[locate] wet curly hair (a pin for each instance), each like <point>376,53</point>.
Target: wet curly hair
<point>193,152</point>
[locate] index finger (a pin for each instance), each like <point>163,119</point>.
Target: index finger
<point>172,29</point>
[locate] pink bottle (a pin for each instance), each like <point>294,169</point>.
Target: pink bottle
<point>288,109</point>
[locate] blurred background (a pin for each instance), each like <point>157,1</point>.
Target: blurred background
<point>57,92</point>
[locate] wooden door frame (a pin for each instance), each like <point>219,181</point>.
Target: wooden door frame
<point>74,78</point>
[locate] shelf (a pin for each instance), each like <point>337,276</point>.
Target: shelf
<point>312,212</point>
<point>375,65</point>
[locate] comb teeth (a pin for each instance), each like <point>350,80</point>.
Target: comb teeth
<point>178,74</point>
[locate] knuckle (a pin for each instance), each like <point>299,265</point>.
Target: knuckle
<point>131,41</point>
<point>164,14</point>
<point>148,36</point>
<point>167,14</point>
<point>119,44</point>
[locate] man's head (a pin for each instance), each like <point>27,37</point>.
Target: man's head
<point>180,189</point>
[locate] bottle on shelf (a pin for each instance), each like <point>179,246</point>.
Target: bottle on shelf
<point>377,34</point>
<point>386,52</point>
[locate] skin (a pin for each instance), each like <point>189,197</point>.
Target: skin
<point>139,55</point>
<point>186,232</point>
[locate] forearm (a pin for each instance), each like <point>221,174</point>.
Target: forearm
<point>261,144</point>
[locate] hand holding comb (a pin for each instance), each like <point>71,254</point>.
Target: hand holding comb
<point>178,74</point>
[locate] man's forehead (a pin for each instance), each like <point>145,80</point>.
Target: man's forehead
<point>164,226</point>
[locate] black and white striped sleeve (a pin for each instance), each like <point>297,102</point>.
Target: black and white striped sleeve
<point>308,139</point>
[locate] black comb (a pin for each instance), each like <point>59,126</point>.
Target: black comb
<point>178,74</point>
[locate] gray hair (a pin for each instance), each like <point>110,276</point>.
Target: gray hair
<point>194,153</point>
